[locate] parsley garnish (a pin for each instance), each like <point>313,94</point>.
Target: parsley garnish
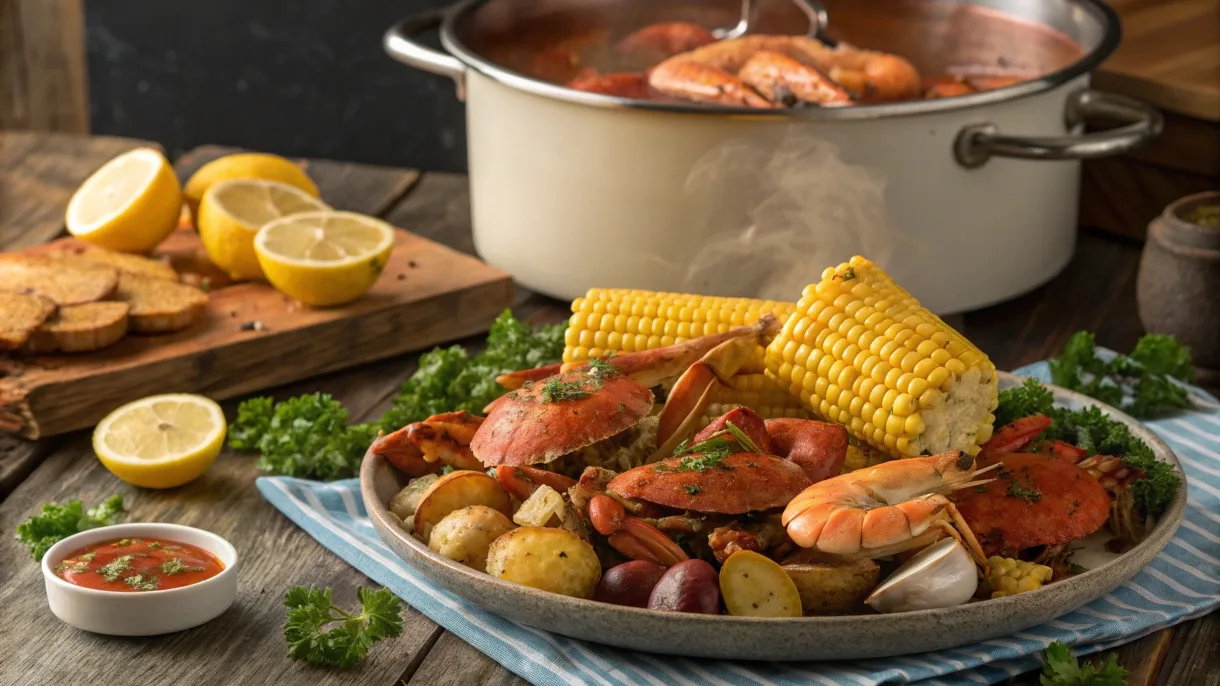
<point>114,570</point>
<point>1074,568</point>
<point>1029,495</point>
<point>554,390</point>
<point>325,635</point>
<point>601,367</point>
<point>1062,669</point>
<point>447,469</point>
<point>848,274</point>
<point>142,583</point>
<point>1145,375</point>
<point>691,489</point>
<point>57,522</point>
<point>177,566</point>
<point>309,436</point>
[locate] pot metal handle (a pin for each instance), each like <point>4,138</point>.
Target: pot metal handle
<point>977,143</point>
<point>399,42</point>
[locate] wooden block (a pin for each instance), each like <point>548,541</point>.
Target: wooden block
<point>253,337</point>
<point>1121,195</point>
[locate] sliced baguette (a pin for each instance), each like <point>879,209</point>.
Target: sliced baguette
<point>20,316</point>
<point>159,306</point>
<point>124,262</point>
<point>81,328</point>
<point>62,280</point>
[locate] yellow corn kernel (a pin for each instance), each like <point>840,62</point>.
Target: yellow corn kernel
<point>644,320</point>
<point>921,387</point>
<point>1009,576</point>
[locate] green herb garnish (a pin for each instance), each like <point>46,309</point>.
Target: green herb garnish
<point>554,390</point>
<point>1074,568</point>
<point>114,570</point>
<point>325,635</point>
<point>447,469</point>
<point>309,436</point>
<point>1145,375</point>
<point>142,583</point>
<point>1029,495</point>
<point>57,522</point>
<point>691,489</point>
<point>177,566</point>
<point>1062,669</point>
<point>601,367</point>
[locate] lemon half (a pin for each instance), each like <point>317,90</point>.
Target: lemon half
<point>161,441</point>
<point>232,212</point>
<point>244,165</point>
<point>130,205</point>
<point>324,258</point>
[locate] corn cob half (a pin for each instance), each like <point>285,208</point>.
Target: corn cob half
<point>862,352</point>
<point>756,392</point>
<point>622,320</point>
<point>1008,576</point>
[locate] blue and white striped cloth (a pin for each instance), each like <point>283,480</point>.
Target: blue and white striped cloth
<point>1182,583</point>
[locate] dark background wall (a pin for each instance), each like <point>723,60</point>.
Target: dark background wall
<point>294,77</point>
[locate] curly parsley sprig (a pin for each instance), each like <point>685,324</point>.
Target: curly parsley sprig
<point>1140,384</point>
<point>325,635</point>
<point>56,522</point>
<point>1062,669</point>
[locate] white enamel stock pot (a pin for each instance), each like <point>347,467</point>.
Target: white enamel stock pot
<point>967,201</point>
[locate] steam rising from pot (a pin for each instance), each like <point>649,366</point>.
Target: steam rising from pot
<point>770,217</point>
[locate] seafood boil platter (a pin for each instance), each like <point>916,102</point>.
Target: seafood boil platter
<point>745,479</point>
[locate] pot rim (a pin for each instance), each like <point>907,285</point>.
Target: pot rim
<point>1102,13</point>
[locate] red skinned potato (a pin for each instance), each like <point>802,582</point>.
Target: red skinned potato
<point>630,583</point>
<point>690,586</point>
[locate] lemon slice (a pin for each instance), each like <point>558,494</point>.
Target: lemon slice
<point>130,205</point>
<point>232,212</point>
<point>244,165</point>
<point>324,258</point>
<point>161,441</point>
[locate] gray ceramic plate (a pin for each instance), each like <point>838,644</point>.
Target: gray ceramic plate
<point>807,638</point>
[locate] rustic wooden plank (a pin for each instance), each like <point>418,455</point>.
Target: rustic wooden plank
<point>45,172</point>
<point>439,210</point>
<point>454,662</point>
<point>245,644</point>
<point>428,294</point>
<point>1193,657</point>
<point>1169,56</point>
<point>42,66</point>
<point>1121,194</point>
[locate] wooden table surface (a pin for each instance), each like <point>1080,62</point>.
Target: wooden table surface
<point>38,174</point>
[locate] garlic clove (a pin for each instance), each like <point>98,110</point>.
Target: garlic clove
<point>941,575</point>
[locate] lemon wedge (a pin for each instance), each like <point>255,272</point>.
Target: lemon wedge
<point>232,212</point>
<point>324,258</point>
<point>244,165</point>
<point>130,205</point>
<point>161,441</point>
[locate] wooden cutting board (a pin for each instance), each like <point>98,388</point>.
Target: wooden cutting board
<point>252,337</point>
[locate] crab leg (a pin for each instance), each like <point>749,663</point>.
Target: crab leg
<point>523,481</point>
<point>632,536</point>
<point>514,380</point>
<point>425,447</point>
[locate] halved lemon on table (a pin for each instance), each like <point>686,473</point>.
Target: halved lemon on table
<point>324,258</point>
<point>244,165</point>
<point>232,212</point>
<point>162,441</point>
<point>130,205</point>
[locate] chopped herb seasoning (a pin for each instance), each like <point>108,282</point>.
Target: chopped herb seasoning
<point>176,566</point>
<point>1029,495</point>
<point>554,390</point>
<point>691,489</point>
<point>142,583</point>
<point>116,567</point>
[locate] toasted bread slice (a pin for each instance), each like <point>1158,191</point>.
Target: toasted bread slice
<point>159,306</point>
<point>80,328</point>
<point>62,280</point>
<point>134,264</point>
<point>20,316</point>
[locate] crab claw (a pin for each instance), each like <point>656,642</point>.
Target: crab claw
<point>606,514</point>
<point>743,418</point>
<point>523,481</point>
<point>425,447</point>
<point>514,380</point>
<point>639,540</point>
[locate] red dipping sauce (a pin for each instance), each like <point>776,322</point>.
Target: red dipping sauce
<point>138,564</point>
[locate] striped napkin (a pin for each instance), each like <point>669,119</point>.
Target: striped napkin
<point>1182,583</point>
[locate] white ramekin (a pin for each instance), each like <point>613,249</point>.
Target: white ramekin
<point>146,613</point>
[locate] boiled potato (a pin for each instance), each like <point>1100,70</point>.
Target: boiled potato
<point>453,492</point>
<point>754,585</point>
<point>405,501</point>
<point>465,535</point>
<point>548,559</point>
<point>831,588</point>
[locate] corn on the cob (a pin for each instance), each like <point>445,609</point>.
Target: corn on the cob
<point>860,351</point>
<point>756,392</point>
<point>1007,576</point>
<point>861,456</point>
<point>622,320</point>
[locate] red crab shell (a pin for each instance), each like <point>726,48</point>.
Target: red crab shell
<point>741,482</point>
<point>524,428</point>
<point>1006,516</point>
